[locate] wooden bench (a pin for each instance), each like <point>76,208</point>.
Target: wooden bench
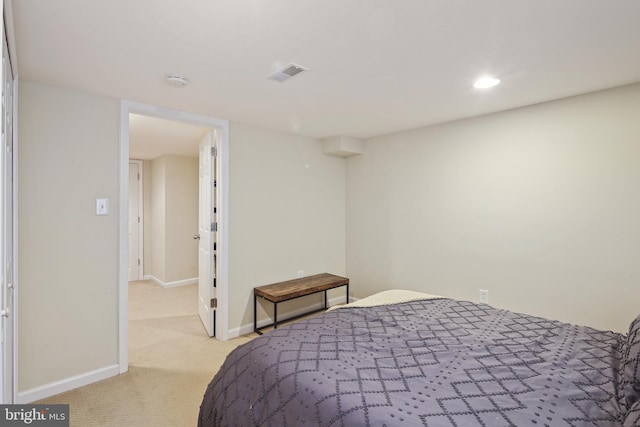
<point>291,289</point>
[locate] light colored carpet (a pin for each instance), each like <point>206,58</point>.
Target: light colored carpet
<point>171,361</point>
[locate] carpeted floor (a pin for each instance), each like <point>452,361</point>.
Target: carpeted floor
<point>171,361</point>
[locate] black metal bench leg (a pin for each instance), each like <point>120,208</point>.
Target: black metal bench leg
<point>347,293</point>
<point>255,315</point>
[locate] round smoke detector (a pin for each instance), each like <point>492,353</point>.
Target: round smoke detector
<point>176,80</point>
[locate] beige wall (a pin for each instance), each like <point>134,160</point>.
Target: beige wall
<point>540,205</point>
<point>182,218</point>
<point>174,218</point>
<point>158,267</point>
<point>286,213</point>
<point>146,213</point>
<point>68,256</point>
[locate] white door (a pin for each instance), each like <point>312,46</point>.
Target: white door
<point>6,248</point>
<point>135,215</point>
<point>207,235</point>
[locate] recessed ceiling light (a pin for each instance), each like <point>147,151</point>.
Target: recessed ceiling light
<point>486,82</point>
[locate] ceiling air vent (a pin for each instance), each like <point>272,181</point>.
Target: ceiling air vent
<point>287,72</point>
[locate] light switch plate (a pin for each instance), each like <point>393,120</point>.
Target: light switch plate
<point>102,206</point>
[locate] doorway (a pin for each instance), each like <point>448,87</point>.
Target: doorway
<point>220,129</point>
<point>179,164</point>
<point>163,167</point>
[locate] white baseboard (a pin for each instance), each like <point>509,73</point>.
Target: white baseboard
<point>67,384</point>
<point>172,284</point>
<point>248,328</point>
<point>81,380</point>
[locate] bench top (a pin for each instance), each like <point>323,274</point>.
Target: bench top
<point>290,289</point>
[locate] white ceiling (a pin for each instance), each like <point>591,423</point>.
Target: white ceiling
<point>151,137</point>
<point>375,66</point>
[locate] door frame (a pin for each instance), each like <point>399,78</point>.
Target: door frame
<point>141,220</point>
<point>222,127</point>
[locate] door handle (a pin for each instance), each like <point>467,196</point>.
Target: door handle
<point>196,236</point>
<point>5,312</point>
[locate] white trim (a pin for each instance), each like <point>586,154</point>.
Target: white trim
<point>67,384</point>
<point>248,327</point>
<point>172,284</point>
<point>11,378</point>
<point>141,221</point>
<point>126,108</point>
<point>222,261</point>
<point>7,10</point>
<point>16,288</point>
<point>123,245</point>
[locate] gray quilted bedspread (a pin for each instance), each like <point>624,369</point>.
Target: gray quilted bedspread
<point>423,363</point>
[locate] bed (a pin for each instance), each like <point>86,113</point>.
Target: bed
<point>411,359</point>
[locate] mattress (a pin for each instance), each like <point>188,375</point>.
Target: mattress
<point>431,361</point>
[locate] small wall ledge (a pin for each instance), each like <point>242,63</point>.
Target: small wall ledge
<point>342,146</point>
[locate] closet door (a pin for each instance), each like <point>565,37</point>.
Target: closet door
<point>7,312</point>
